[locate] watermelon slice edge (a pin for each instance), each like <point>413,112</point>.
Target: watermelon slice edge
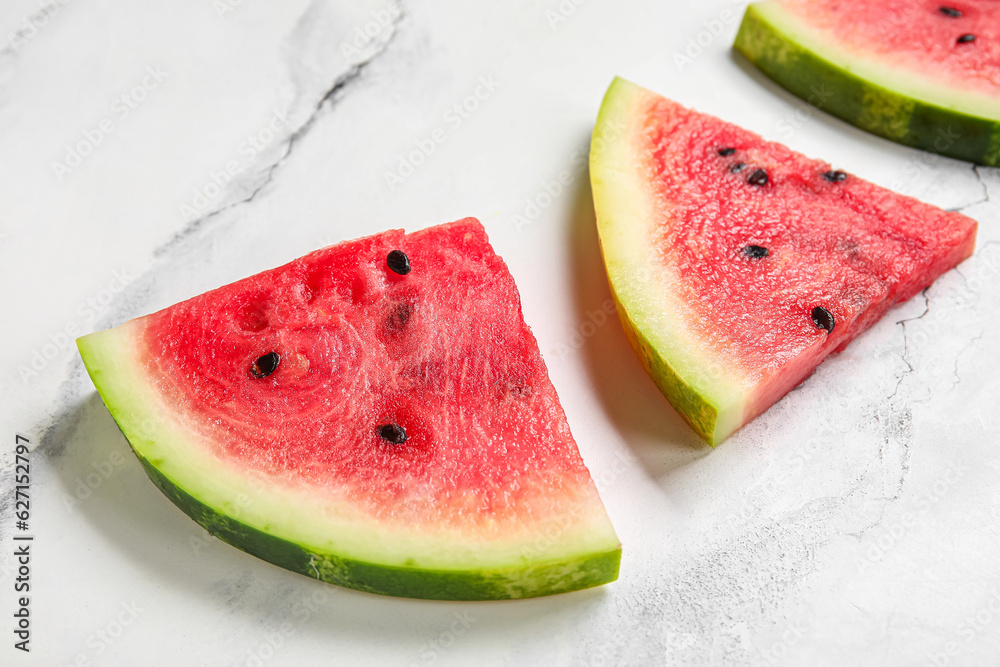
<point>681,197</point>
<point>279,468</point>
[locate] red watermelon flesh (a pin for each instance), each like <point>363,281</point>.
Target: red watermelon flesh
<point>922,73</point>
<point>488,467</point>
<point>956,43</point>
<point>721,246</point>
<point>362,347</point>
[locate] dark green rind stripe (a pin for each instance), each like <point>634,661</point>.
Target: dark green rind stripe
<point>532,580</point>
<point>696,410</point>
<point>864,104</point>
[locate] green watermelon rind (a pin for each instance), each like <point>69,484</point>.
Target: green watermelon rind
<point>941,121</point>
<point>272,524</point>
<point>696,387</point>
<point>495,584</point>
<point>696,408</point>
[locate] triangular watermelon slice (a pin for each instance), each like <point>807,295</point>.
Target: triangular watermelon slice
<point>375,414</point>
<point>737,264</point>
<point>924,74</point>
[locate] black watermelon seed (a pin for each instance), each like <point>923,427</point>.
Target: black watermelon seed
<point>755,251</point>
<point>265,365</point>
<point>965,39</point>
<point>726,152</point>
<point>835,176</point>
<point>392,433</point>
<point>736,167</point>
<point>758,177</point>
<point>951,11</point>
<point>823,318</point>
<point>398,262</point>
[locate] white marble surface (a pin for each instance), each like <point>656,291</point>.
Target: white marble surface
<point>855,523</point>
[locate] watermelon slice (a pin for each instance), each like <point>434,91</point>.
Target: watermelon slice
<point>738,264</point>
<point>375,414</point>
<point>924,74</point>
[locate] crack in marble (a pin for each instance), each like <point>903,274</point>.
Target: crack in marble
<point>982,184</point>
<point>859,609</point>
<point>714,604</point>
<point>838,501</point>
<point>979,177</point>
<point>904,468</point>
<point>965,281</point>
<point>904,436</point>
<point>927,308</point>
<point>56,424</point>
<point>860,533</point>
<point>883,501</point>
<point>329,99</point>
<point>968,346</point>
<point>906,342</point>
<point>824,508</point>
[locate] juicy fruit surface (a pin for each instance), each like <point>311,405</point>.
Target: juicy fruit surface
<point>361,346</point>
<point>403,420</point>
<point>714,197</point>
<point>916,36</point>
<point>845,246</point>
